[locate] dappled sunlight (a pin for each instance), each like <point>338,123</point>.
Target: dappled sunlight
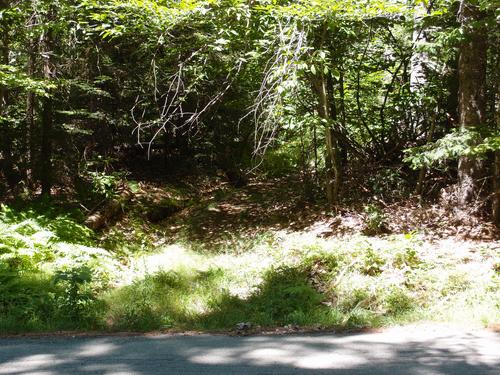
<point>354,351</point>
<point>33,364</point>
<point>259,254</point>
<point>440,350</point>
<point>168,258</point>
<point>96,348</point>
<point>277,275</point>
<point>256,208</point>
<point>297,279</point>
<point>286,187</point>
<point>66,359</point>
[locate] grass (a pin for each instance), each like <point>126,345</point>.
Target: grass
<point>56,274</point>
<point>51,272</point>
<point>299,281</point>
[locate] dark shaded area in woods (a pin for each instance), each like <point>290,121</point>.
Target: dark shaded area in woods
<point>94,91</point>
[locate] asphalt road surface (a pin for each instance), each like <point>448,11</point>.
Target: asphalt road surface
<point>408,351</point>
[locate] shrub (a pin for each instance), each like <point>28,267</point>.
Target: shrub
<point>398,301</point>
<point>375,219</point>
<point>372,262</point>
<point>408,257</point>
<point>284,291</point>
<point>76,300</point>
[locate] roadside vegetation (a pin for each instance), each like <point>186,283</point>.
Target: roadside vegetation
<point>57,274</point>
<point>247,165</point>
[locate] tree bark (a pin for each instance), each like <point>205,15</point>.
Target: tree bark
<point>7,164</point>
<point>47,115</point>
<point>4,59</point>
<point>418,80</point>
<point>423,171</point>
<point>343,145</point>
<point>333,164</point>
<point>418,75</point>
<point>30,107</point>
<point>472,88</point>
<point>327,111</point>
<point>496,190</point>
<point>496,166</point>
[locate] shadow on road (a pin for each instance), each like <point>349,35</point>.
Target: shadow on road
<point>467,354</point>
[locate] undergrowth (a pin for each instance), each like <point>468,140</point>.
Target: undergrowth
<point>50,273</point>
<point>303,282</point>
<point>55,275</point>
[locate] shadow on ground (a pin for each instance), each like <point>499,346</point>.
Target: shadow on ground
<point>378,353</point>
<point>285,297</point>
<point>256,208</point>
<point>279,204</point>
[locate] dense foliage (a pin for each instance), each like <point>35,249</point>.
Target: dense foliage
<point>326,87</point>
<point>367,102</point>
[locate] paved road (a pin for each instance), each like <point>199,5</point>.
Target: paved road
<point>409,351</point>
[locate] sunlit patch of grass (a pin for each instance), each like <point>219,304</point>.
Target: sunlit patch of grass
<point>61,279</point>
<point>468,296</point>
<point>302,281</point>
<point>165,299</point>
<point>361,282</point>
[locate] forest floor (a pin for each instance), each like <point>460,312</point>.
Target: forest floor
<point>205,256</point>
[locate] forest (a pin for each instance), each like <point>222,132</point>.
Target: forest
<point>266,164</point>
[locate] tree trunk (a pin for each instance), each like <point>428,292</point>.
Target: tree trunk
<point>343,144</point>
<point>423,171</point>
<point>47,115</point>
<point>472,100</point>
<point>417,114</point>
<point>496,190</point>
<point>496,166</point>
<point>418,76</point>
<point>333,164</point>
<point>7,164</point>
<point>4,60</point>
<point>30,108</point>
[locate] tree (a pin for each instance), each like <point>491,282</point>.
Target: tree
<point>6,162</point>
<point>472,88</point>
<point>82,81</point>
<point>32,47</point>
<point>47,115</point>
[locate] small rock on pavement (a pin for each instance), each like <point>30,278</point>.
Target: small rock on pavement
<point>245,326</point>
